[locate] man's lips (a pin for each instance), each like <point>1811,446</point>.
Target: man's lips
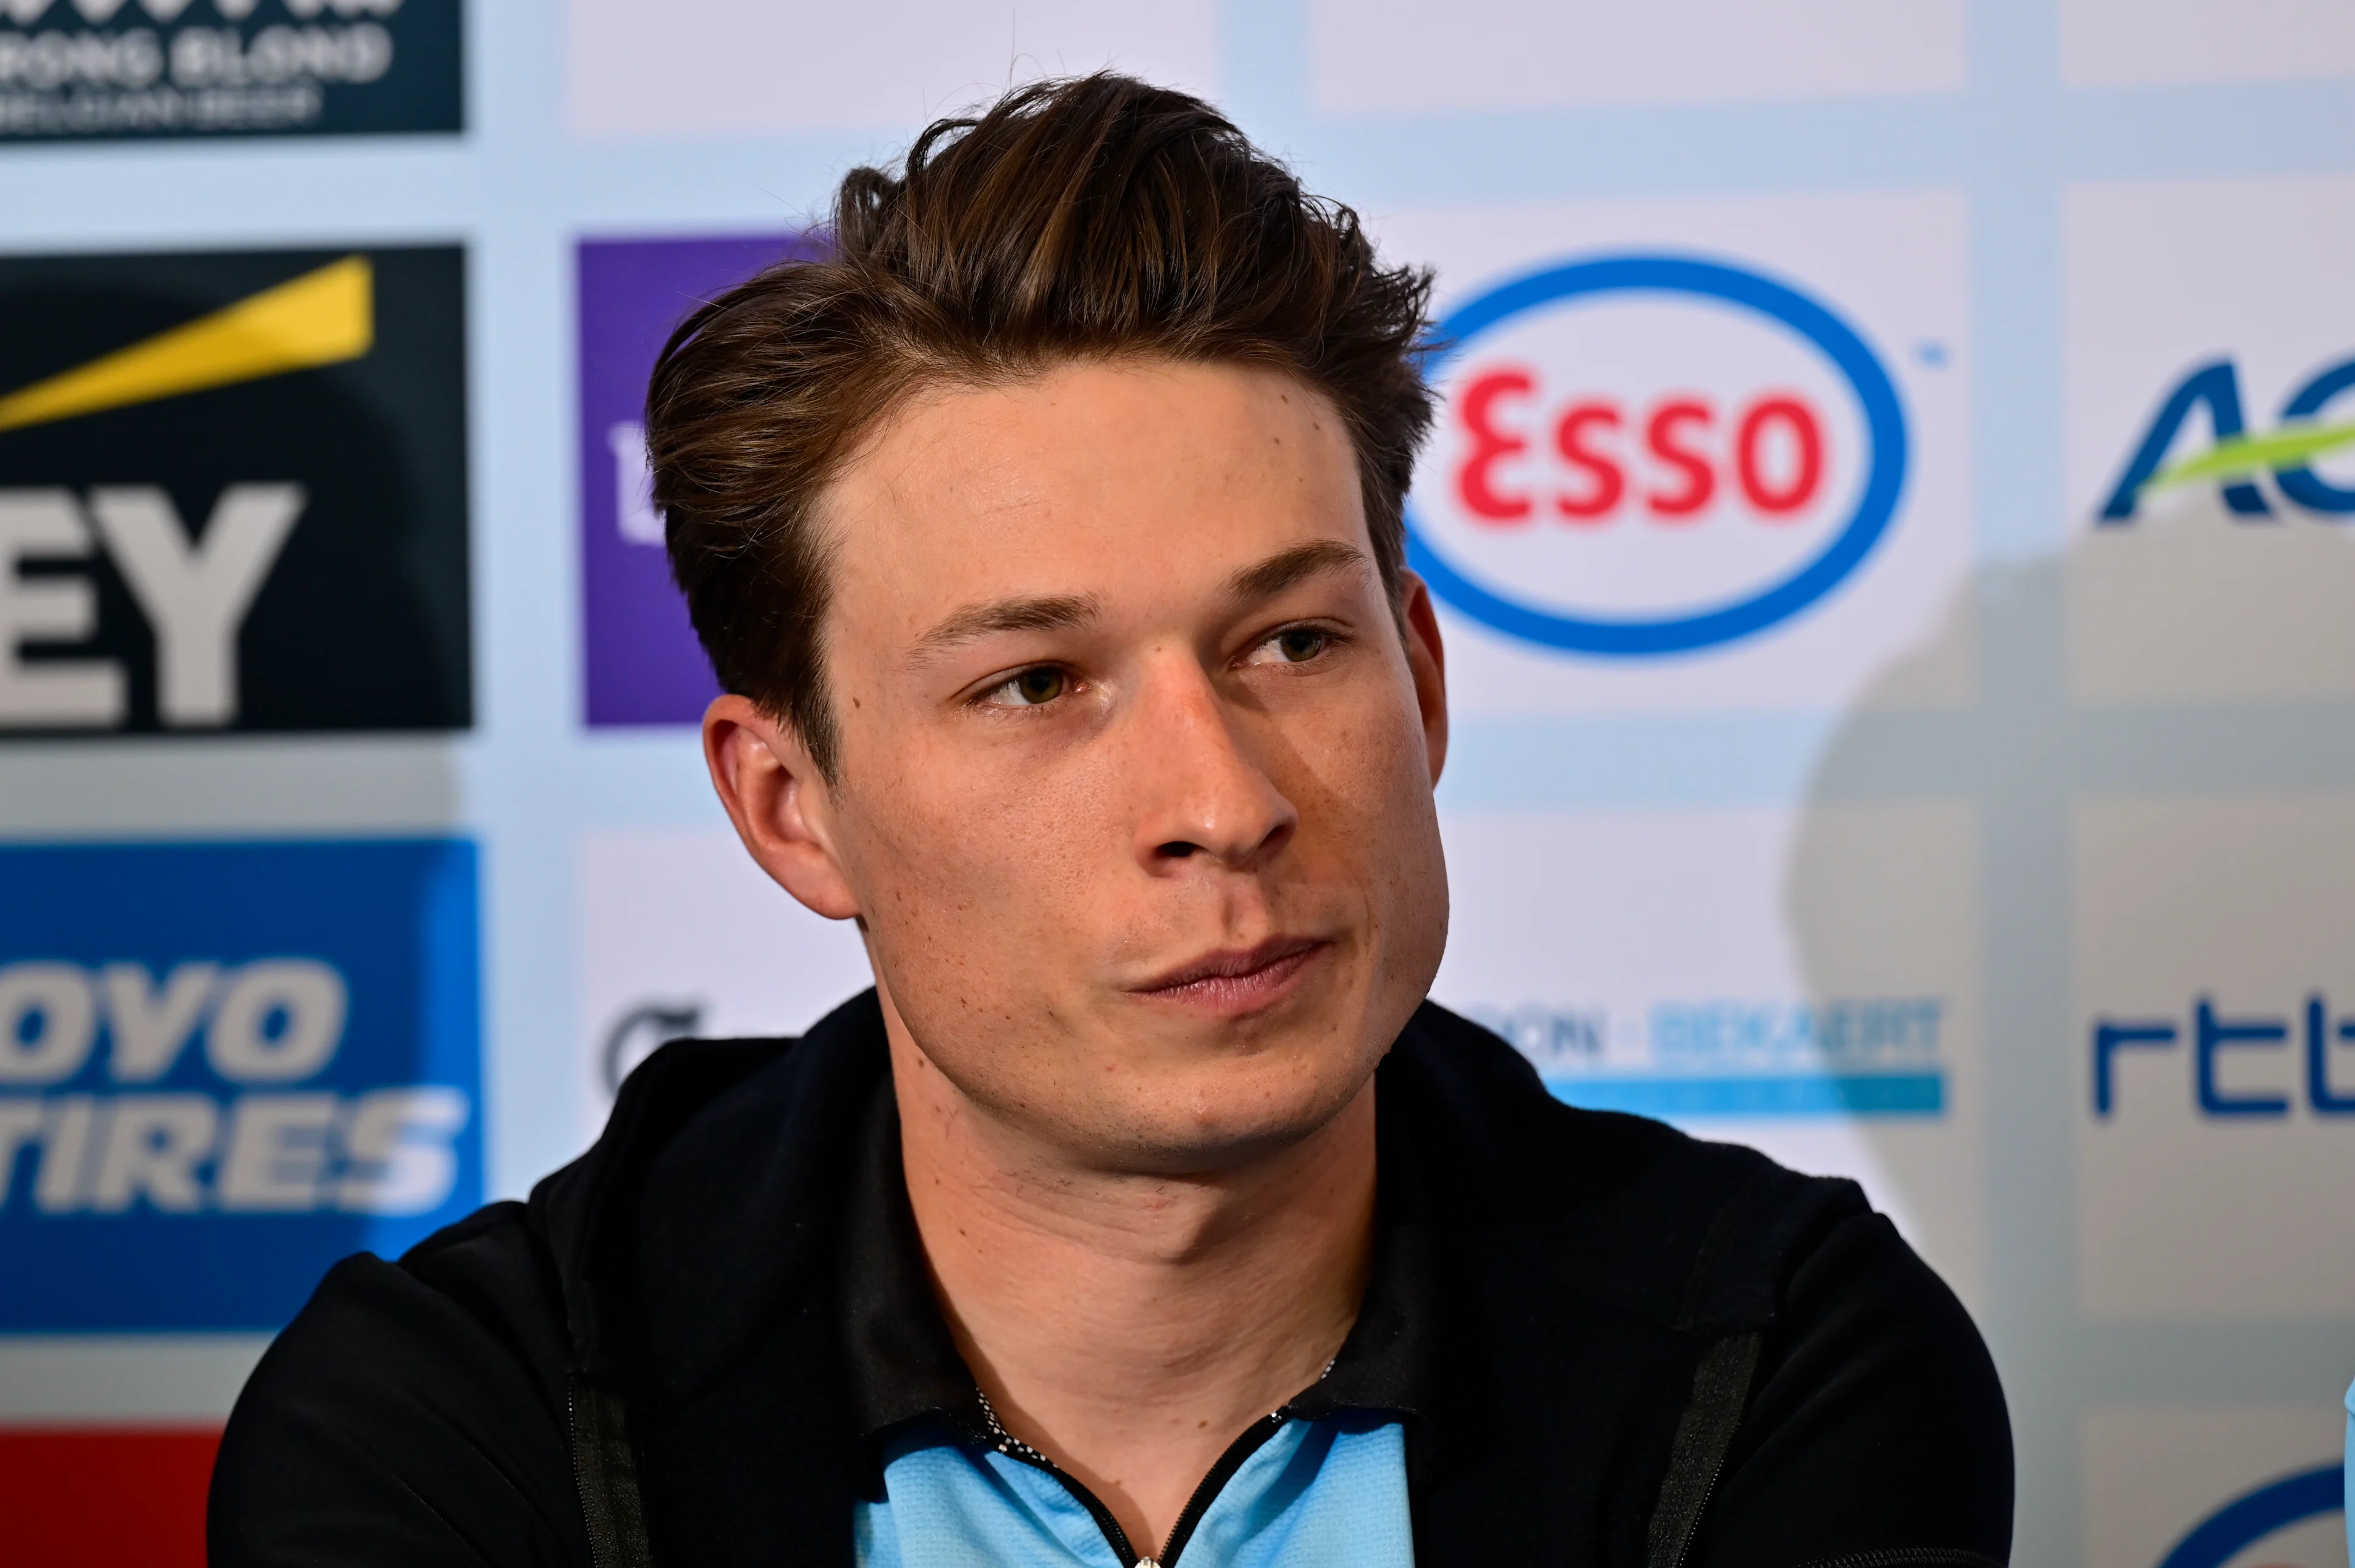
<point>1237,979</point>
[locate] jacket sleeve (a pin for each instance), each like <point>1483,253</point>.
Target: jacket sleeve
<point>1876,1426</point>
<point>411,1414</point>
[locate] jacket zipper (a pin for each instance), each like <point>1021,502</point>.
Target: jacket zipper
<point>601,1549</point>
<point>592,1483</point>
<point>1708,1492</point>
<point>1710,1422</point>
<point>1205,1492</point>
<point>1013,1448</point>
<point>1214,1481</point>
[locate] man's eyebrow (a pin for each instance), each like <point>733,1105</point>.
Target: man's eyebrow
<point>1281,570</point>
<point>1050,613</point>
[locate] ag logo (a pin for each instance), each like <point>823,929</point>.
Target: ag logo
<point>2237,456</point>
<point>232,493</point>
<point>1650,454</point>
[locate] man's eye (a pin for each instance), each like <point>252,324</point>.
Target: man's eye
<point>1298,645</point>
<point>1039,683</point>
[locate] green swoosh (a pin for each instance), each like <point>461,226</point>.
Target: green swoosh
<point>2288,448</point>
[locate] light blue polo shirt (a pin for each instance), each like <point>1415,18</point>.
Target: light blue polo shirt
<point>1316,1493</point>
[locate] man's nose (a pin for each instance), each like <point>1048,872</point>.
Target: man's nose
<point>1202,793</point>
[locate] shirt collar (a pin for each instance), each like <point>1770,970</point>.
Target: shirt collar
<point>901,1364</point>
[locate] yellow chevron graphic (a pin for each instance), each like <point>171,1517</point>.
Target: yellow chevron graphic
<point>320,318</point>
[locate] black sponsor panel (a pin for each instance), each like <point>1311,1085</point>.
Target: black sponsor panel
<point>85,69</point>
<point>233,492</point>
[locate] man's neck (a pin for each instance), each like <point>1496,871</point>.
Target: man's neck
<point>1131,1327</point>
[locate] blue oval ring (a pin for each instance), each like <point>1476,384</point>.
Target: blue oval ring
<point>1885,481</point>
<point>2257,1513</point>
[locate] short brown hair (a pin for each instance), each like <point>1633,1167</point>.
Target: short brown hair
<point>1093,218</point>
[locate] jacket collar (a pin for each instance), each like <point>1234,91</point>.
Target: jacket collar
<point>715,1207</point>
<point>901,1364</point>
<point>1580,1261</point>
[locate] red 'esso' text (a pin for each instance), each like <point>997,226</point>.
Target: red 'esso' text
<point>1588,459</point>
<point>1633,456</point>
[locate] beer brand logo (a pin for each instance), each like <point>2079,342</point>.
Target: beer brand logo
<point>91,68</point>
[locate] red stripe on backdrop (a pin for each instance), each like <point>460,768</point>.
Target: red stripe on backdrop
<point>105,1498</point>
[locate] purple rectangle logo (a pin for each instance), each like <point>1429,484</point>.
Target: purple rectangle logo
<point>641,664</point>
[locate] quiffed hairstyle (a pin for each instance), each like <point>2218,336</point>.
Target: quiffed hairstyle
<point>1092,219</point>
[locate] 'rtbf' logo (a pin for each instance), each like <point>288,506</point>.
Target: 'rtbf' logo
<point>2290,455</point>
<point>2235,1065</point>
<point>224,1066</point>
<point>232,493</point>
<point>1646,455</point>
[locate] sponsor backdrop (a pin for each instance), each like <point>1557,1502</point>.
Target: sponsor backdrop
<point>1893,515</point>
<point>233,492</point>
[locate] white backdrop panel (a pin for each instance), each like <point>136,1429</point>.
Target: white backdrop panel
<point>2215,1184</point>
<point>681,934</point>
<point>2137,43</point>
<point>1891,264</point>
<point>2153,1472</point>
<point>703,68</point>
<point>2189,601</point>
<point>1409,56</point>
<point>1668,957</point>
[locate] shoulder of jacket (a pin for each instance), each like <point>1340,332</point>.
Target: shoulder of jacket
<point>693,1124</point>
<point>496,1247</point>
<point>477,1288</point>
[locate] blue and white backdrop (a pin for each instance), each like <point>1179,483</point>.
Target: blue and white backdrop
<point>1894,520</point>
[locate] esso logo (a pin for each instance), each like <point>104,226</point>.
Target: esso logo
<point>1643,455</point>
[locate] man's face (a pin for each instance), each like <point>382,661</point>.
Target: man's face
<point>1134,794</point>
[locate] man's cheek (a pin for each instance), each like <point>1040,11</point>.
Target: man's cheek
<point>1351,742</point>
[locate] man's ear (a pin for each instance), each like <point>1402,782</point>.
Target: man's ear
<point>1427,659</point>
<point>778,802</point>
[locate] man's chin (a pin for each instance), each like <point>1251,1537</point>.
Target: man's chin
<point>1147,1090</point>
<point>1236,1121</point>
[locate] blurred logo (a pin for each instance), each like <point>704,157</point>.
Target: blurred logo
<point>233,492</point>
<point>2256,1516</point>
<point>1650,454</point>
<point>2236,457</point>
<point>224,1066</point>
<point>639,1033</point>
<point>75,69</point>
<point>1861,1056</point>
<point>641,661</point>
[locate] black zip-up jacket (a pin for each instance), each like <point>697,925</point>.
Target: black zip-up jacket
<point>1643,1351</point>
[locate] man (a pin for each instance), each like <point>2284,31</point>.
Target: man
<point>1047,539</point>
